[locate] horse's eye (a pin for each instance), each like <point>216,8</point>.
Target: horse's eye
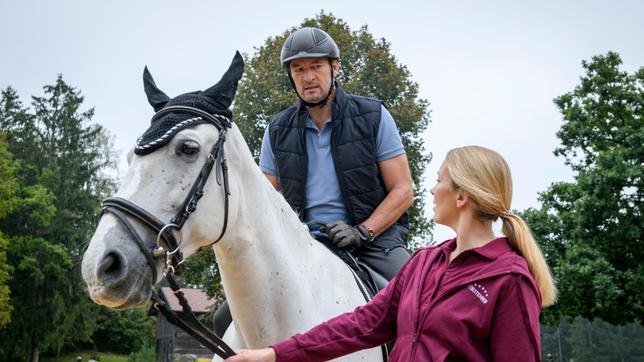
<point>189,148</point>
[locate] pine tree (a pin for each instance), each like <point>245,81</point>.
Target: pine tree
<point>61,160</point>
<point>8,200</point>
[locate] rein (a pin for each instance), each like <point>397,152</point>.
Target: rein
<point>123,209</point>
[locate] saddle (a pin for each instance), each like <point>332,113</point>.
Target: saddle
<point>369,280</point>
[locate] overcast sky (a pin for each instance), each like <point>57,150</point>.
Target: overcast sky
<point>490,69</point>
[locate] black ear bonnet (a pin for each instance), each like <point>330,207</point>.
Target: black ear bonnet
<point>215,100</point>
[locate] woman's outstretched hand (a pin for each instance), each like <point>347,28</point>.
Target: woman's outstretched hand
<point>253,355</point>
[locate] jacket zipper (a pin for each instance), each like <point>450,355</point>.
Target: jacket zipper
<point>419,306</point>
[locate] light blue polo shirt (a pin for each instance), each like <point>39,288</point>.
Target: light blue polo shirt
<point>323,197</point>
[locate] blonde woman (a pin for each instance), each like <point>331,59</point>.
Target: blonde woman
<point>473,298</point>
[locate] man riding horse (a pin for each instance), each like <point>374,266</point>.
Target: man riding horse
<point>338,160</point>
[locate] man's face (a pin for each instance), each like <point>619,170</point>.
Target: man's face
<point>312,77</point>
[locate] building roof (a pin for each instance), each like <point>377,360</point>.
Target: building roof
<point>198,300</point>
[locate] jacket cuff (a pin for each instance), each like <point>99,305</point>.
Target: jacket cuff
<point>286,350</point>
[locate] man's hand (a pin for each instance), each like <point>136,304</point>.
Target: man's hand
<point>344,235</point>
<point>253,355</point>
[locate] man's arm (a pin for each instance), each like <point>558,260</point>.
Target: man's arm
<point>273,180</point>
<point>400,195</point>
<point>267,161</point>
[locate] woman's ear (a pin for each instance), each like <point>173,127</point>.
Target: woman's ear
<point>462,200</point>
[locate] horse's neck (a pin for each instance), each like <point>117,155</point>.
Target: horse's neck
<point>262,216</point>
<point>263,224</point>
<point>270,266</point>
<point>263,221</point>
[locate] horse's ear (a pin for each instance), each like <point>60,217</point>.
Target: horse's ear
<point>224,91</point>
<point>156,97</point>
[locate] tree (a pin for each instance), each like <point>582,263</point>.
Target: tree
<point>124,332</point>
<point>202,272</point>
<point>7,202</point>
<point>78,154</point>
<point>39,289</point>
<point>62,160</point>
<point>590,229</point>
<point>367,68</point>
<point>5,292</point>
<point>583,340</point>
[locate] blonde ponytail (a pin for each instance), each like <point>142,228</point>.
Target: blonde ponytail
<point>485,177</point>
<point>522,240</point>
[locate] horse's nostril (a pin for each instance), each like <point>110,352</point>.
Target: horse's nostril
<point>112,264</point>
<point>112,269</point>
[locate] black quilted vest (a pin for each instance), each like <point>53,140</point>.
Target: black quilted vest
<point>353,146</point>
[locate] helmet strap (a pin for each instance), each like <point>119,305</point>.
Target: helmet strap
<point>320,103</point>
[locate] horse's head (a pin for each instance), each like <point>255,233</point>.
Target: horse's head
<point>180,149</point>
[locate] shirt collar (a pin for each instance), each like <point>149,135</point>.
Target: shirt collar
<point>311,125</point>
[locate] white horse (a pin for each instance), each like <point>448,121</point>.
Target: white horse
<point>278,280</point>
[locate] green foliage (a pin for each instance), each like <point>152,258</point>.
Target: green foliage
<point>5,292</point>
<point>125,331</point>
<point>590,285</point>
<point>59,164</point>
<point>590,229</point>
<point>583,340</point>
<point>75,161</point>
<point>146,354</point>
<point>86,356</point>
<point>8,200</point>
<point>36,209</point>
<point>39,291</point>
<point>202,272</point>
<point>367,68</point>
<point>8,184</point>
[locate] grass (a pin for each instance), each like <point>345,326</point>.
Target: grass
<point>102,357</point>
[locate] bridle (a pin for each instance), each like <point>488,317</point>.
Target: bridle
<point>124,209</point>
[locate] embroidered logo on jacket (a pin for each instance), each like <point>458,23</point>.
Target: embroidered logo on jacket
<point>479,291</point>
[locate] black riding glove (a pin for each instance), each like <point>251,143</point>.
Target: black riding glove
<point>344,235</point>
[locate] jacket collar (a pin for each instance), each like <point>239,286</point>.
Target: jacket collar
<point>503,260</point>
<point>492,250</point>
<point>339,102</point>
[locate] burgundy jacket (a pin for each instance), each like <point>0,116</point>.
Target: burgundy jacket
<point>483,306</point>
